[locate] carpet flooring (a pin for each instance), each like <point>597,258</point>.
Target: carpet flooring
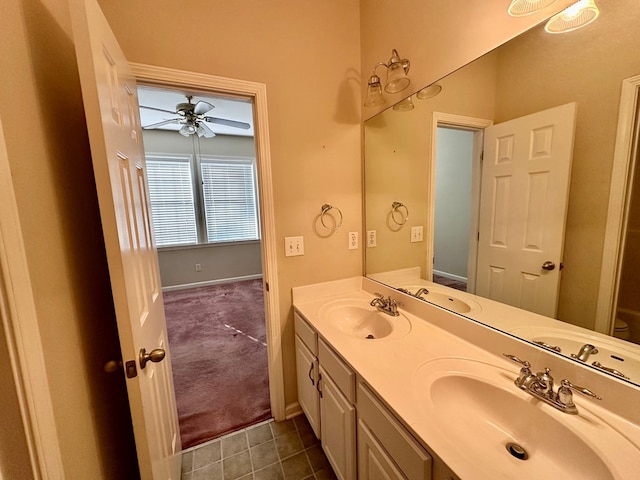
<point>217,340</point>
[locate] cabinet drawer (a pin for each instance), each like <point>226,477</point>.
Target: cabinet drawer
<point>307,334</point>
<point>408,454</point>
<point>339,372</point>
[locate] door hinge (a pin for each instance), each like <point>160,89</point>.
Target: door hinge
<point>266,286</point>
<point>482,156</point>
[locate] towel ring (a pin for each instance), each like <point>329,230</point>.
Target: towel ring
<point>325,209</point>
<point>394,209</point>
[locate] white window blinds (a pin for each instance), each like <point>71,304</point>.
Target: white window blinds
<point>229,193</point>
<point>171,200</point>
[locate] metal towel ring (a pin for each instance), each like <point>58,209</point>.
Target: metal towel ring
<point>325,209</point>
<point>394,209</point>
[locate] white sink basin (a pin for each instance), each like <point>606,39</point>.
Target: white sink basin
<point>448,299</point>
<point>612,353</point>
<point>485,418</point>
<point>357,319</point>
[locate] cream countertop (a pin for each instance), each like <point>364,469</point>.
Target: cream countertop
<point>389,365</point>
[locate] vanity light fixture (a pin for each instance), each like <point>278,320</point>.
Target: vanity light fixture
<point>405,105</point>
<point>397,80</point>
<point>578,15</point>
<point>520,8</point>
<point>429,91</point>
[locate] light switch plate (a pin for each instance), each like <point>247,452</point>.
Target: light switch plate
<point>293,246</point>
<point>416,234</point>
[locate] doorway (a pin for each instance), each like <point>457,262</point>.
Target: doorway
<point>455,185</point>
<point>202,182</point>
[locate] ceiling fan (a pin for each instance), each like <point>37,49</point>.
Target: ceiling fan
<point>193,120</point>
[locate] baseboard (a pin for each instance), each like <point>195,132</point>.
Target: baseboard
<point>171,288</point>
<point>292,410</point>
<point>450,276</point>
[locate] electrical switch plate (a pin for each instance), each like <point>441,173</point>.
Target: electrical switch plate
<point>416,234</point>
<point>371,238</point>
<point>198,267</point>
<point>294,246</point>
<point>353,240</point>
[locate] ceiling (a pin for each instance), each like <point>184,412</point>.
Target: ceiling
<point>225,107</point>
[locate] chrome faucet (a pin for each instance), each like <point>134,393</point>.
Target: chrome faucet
<point>420,292</point>
<point>586,350</point>
<point>385,305</point>
<point>540,385</point>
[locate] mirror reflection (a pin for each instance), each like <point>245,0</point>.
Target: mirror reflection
<point>533,235</point>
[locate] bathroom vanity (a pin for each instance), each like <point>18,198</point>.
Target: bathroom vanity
<point>427,394</point>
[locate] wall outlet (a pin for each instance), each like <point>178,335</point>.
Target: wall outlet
<point>371,238</point>
<point>353,240</point>
<point>198,267</point>
<point>416,234</point>
<point>293,246</point>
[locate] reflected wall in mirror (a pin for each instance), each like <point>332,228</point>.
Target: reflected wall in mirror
<point>532,73</point>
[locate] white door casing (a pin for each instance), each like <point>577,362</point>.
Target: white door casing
<point>111,108</point>
<point>523,207</point>
<point>163,76</point>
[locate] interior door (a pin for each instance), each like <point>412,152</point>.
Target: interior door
<point>111,108</point>
<point>523,207</point>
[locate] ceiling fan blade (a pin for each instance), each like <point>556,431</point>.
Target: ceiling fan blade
<point>159,109</point>
<point>228,123</point>
<point>202,108</point>
<point>208,133</point>
<point>160,124</point>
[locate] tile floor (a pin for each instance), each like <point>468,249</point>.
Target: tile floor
<point>267,451</point>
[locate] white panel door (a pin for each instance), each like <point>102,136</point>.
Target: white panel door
<point>523,208</point>
<point>111,107</point>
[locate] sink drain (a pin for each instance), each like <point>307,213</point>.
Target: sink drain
<point>370,337</point>
<point>517,451</point>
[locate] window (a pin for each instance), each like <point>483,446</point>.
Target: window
<point>203,199</point>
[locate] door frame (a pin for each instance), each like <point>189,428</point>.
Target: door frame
<point>476,125</point>
<point>617,214</point>
<point>22,332</point>
<point>171,78</point>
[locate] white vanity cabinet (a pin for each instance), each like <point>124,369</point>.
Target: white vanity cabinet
<point>307,372</point>
<point>337,413</point>
<point>361,437</point>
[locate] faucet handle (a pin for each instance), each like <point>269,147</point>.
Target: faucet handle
<point>379,295</point>
<point>513,358</point>
<point>584,391</point>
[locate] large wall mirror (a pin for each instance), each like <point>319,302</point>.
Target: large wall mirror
<point>446,196</point>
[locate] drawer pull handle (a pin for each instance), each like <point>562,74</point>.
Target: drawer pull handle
<point>311,371</point>
<point>318,385</point>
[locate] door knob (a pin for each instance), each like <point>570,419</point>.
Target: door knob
<point>548,265</point>
<point>156,355</point>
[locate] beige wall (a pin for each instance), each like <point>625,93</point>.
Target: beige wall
<point>43,124</point>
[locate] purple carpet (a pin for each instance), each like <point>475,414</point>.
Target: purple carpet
<point>218,350</point>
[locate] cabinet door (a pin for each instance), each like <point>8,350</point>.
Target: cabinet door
<point>374,463</point>
<point>338,428</point>
<point>307,375</point>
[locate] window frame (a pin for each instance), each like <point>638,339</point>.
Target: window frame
<point>197,189</point>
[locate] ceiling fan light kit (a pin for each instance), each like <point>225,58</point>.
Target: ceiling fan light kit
<point>193,120</point>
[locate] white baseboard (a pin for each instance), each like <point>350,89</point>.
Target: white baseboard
<point>171,288</point>
<point>450,276</point>
<point>292,410</point>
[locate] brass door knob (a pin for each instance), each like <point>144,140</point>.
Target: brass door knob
<point>548,265</point>
<point>156,355</point>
